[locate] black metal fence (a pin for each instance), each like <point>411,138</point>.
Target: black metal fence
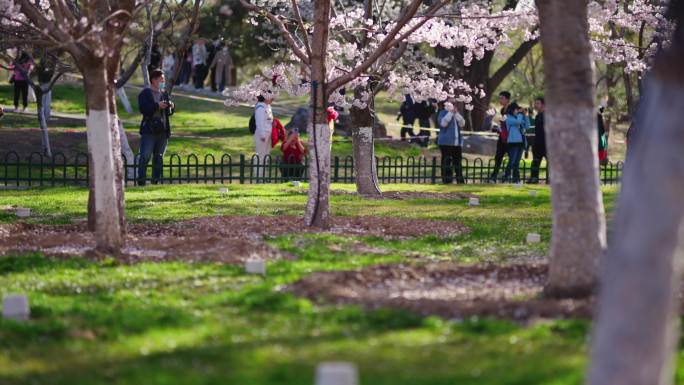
<point>60,170</point>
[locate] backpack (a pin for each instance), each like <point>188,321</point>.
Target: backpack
<point>252,122</point>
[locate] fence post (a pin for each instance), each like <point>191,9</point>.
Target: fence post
<point>336,172</point>
<point>433,176</point>
<point>242,168</point>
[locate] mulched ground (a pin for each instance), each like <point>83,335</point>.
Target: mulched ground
<point>405,195</point>
<point>219,239</point>
<point>510,291</point>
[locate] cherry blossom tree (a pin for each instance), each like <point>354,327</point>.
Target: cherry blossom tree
<point>92,32</point>
<point>310,47</point>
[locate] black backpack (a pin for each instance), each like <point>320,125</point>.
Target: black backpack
<point>252,122</point>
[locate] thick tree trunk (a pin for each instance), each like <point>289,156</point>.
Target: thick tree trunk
<point>317,207</point>
<point>637,326</point>
<point>364,149</point>
<point>105,197</point>
<point>579,230</point>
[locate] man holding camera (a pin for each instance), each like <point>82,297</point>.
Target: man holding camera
<point>155,128</point>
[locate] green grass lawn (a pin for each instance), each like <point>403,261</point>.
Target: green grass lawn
<point>181,323</point>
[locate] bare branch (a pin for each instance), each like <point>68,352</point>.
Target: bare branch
<point>281,26</point>
<point>307,44</point>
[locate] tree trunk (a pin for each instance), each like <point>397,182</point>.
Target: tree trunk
<point>629,95</point>
<point>637,326</point>
<point>579,229</point>
<point>42,121</point>
<point>123,97</point>
<point>317,207</point>
<point>148,48</point>
<point>105,196</point>
<point>126,151</point>
<point>364,149</point>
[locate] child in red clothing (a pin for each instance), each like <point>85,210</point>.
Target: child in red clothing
<point>293,156</point>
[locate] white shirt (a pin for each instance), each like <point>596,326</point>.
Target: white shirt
<point>263,116</point>
<point>199,54</point>
<point>168,63</point>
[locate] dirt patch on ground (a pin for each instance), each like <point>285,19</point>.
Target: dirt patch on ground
<point>220,239</point>
<point>511,291</point>
<point>405,195</point>
<point>67,142</point>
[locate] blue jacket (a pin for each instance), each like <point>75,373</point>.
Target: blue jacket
<point>517,125</point>
<point>148,107</point>
<point>449,134</point>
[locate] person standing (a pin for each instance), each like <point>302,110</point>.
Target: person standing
<point>423,111</point>
<point>539,145</point>
<point>517,122</point>
<point>199,63</point>
<point>223,65</point>
<point>209,73</point>
<point>155,128</point>
<point>602,138</point>
<point>450,141</point>
<point>21,71</point>
<point>502,141</point>
<point>155,58</point>
<point>408,117</point>
<point>186,70</point>
<point>169,64</point>
<point>263,117</point>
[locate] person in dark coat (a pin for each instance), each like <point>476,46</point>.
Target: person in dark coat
<point>539,146</point>
<point>423,112</point>
<point>408,117</point>
<point>155,128</point>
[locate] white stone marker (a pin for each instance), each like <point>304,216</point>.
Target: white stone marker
<point>533,238</point>
<point>223,190</point>
<point>16,307</point>
<point>255,266</point>
<point>297,183</point>
<point>474,202</point>
<point>23,212</point>
<point>336,373</point>
<point>533,193</point>
<point>518,185</point>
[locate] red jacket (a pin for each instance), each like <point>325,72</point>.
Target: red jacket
<point>292,154</point>
<point>277,133</point>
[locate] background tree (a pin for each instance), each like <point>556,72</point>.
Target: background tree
<point>310,51</point>
<point>637,326</point>
<point>579,229</point>
<point>91,32</point>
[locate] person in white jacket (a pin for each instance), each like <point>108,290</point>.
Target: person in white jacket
<point>263,116</point>
<point>169,65</point>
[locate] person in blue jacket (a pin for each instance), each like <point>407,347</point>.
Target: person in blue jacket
<point>450,141</point>
<point>517,123</point>
<point>155,128</point>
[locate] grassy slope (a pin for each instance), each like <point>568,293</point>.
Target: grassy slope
<point>200,127</point>
<point>176,323</point>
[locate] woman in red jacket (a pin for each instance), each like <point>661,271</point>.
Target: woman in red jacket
<point>293,156</point>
